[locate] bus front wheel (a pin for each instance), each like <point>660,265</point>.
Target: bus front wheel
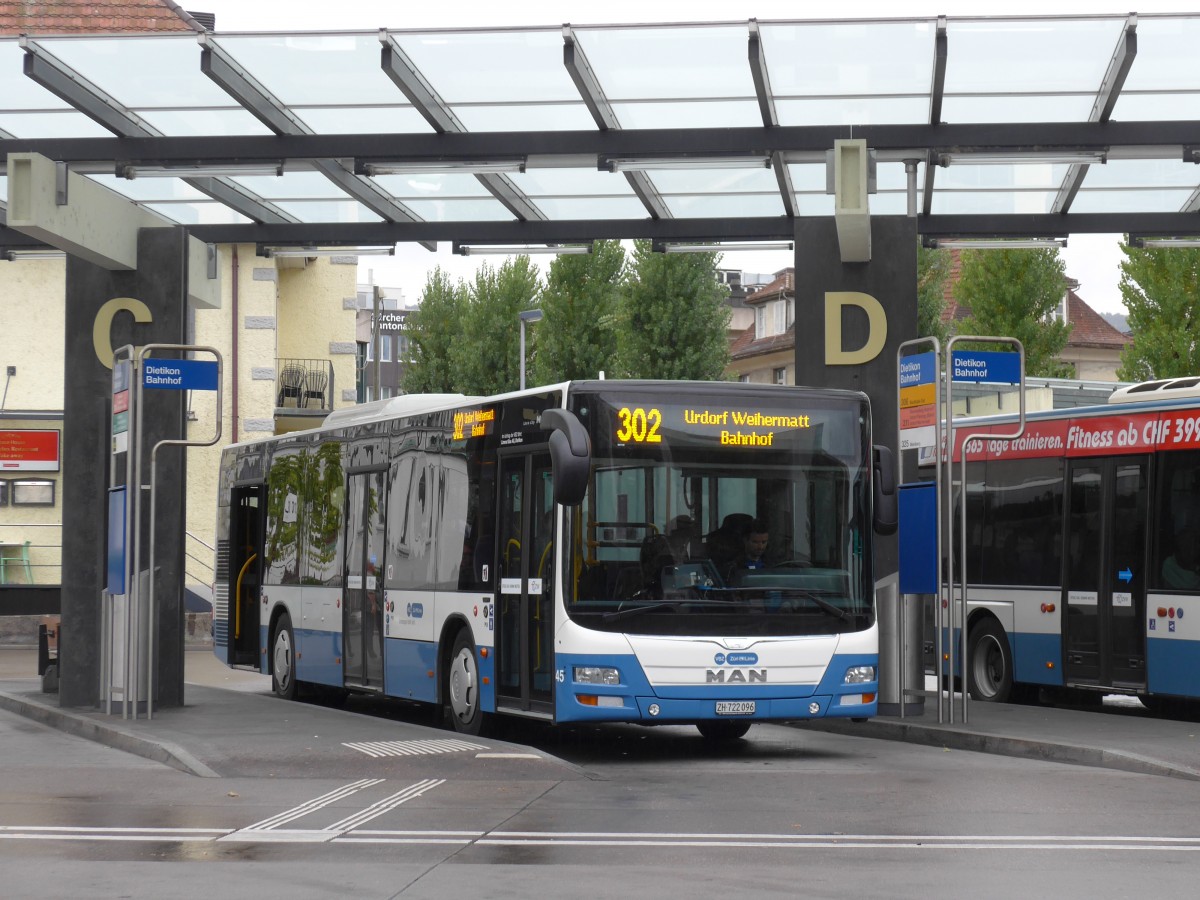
<point>991,666</point>
<point>462,686</point>
<point>283,659</point>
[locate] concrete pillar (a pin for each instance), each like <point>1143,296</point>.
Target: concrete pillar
<point>850,319</point>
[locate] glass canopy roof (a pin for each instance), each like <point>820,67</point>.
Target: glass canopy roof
<point>346,119</point>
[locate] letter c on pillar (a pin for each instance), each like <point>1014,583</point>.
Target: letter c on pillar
<point>835,355</point>
<point>102,326</point>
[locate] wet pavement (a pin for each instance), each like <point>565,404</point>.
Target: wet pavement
<point>232,725</point>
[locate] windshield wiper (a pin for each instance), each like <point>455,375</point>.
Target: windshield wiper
<point>835,611</point>
<point>784,593</point>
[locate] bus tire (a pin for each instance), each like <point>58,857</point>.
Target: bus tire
<point>283,658</point>
<point>463,701</point>
<point>723,730</point>
<point>991,670</point>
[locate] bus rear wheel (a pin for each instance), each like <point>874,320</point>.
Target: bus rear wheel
<point>723,730</point>
<point>462,686</point>
<point>991,668</point>
<point>283,659</point>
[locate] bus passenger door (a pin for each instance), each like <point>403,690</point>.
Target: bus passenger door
<point>246,539</point>
<point>1104,594</point>
<point>362,604</point>
<point>524,602</point>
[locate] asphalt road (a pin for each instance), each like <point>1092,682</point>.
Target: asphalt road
<point>630,812</point>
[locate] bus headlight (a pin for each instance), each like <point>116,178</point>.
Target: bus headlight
<point>859,675</point>
<point>597,675</point>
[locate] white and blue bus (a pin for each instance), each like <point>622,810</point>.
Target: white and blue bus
<point>566,553</point>
<point>1083,550</point>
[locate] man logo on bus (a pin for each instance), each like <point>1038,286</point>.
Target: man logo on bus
<point>735,676</point>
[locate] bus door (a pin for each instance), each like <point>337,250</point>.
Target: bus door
<point>246,539</point>
<point>1104,591</point>
<point>524,602</point>
<point>362,604</point>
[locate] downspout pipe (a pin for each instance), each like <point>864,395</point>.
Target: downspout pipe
<point>233,361</point>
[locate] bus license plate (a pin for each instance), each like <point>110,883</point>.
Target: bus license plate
<point>735,707</point>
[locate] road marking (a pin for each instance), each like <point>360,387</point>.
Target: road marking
<point>269,830</point>
<point>100,833</point>
<point>387,804</point>
<point>343,832</point>
<point>379,749</point>
<point>297,812</point>
<point>507,756</point>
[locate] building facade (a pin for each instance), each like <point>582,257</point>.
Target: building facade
<point>275,316</point>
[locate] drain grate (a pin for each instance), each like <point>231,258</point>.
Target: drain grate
<point>381,749</point>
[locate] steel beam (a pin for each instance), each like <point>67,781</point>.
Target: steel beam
<point>400,69</point>
<point>768,228</point>
<point>892,140</point>
<point>268,109</point>
<point>1102,107</point>
<point>50,72</point>
<point>605,117</point>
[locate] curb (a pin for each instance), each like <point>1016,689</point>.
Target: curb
<point>1072,754</point>
<point>102,733</point>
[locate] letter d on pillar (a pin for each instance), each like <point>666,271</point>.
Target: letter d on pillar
<point>835,354</point>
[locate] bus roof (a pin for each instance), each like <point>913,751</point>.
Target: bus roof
<point>418,404</point>
<point>1163,389</point>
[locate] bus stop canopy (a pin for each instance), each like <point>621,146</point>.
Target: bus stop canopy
<point>980,127</point>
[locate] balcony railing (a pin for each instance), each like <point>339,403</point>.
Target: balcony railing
<point>32,553</point>
<point>303,386</point>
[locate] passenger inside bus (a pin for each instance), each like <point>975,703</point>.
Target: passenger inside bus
<point>1181,570</point>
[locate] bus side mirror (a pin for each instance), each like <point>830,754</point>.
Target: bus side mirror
<point>883,483</point>
<point>570,455</point>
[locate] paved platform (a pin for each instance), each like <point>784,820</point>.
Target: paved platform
<point>1118,735</point>
<point>231,725</point>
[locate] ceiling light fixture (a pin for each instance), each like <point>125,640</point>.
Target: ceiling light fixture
<point>295,252</point>
<point>496,249</point>
<point>995,243</point>
<point>650,164</point>
<point>1016,158</point>
<point>440,167</point>
<point>21,255</point>
<point>199,170</point>
<point>723,247</point>
<point>1150,243</point>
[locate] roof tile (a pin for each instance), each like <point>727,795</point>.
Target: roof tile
<point>95,17</point>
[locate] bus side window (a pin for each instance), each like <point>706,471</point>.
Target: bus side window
<point>1175,550</point>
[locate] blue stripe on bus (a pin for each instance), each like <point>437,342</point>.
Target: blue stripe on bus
<point>1171,667</point>
<point>407,669</point>
<point>1031,653</point>
<point>319,657</point>
<point>690,703</point>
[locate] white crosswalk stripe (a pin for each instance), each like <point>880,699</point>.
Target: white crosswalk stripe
<point>380,749</point>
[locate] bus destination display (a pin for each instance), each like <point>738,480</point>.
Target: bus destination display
<point>473,423</point>
<point>731,427</point>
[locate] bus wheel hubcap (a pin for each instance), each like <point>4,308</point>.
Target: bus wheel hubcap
<point>283,658</point>
<point>462,685</point>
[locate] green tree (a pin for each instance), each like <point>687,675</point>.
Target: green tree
<point>933,268</point>
<point>1013,293</point>
<point>577,338</point>
<point>433,329</point>
<point>1160,287</point>
<point>673,317</point>
<point>487,356</point>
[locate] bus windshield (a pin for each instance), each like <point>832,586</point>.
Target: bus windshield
<point>741,517</point>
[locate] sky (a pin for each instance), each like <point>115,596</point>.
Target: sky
<point>1091,259</point>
